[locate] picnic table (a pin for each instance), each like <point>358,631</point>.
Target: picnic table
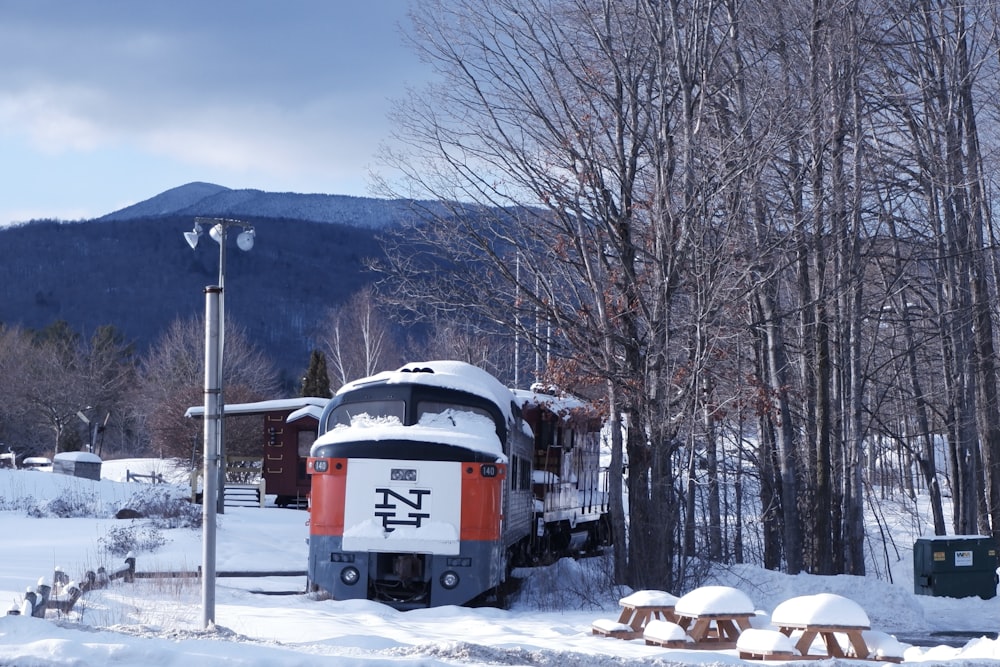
<point>714,616</point>
<point>637,610</point>
<point>824,616</point>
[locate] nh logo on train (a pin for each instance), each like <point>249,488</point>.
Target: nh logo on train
<point>388,507</point>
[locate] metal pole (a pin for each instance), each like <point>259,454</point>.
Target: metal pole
<point>221,502</point>
<point>213,431</point>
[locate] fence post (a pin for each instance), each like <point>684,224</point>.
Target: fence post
<point>43,589</point>
<point>28,606</point>
<point>89,581</point>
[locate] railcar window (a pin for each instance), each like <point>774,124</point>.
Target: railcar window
<point>306,439</point>
<point>524,475</point>
<point>343,413</point>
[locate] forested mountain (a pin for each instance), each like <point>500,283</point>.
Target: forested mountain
<point>134,270</point>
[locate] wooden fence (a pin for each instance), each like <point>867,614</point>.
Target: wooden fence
<point>63,593</point>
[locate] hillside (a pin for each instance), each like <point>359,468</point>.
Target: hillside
<point>133,269</point>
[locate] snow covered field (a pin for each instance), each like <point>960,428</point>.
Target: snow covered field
<point>158,622</point>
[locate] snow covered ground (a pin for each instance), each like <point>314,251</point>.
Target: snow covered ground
<point>262,622</point>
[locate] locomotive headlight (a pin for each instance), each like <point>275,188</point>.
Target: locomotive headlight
<point>350,575</point>
<point>449,580</point>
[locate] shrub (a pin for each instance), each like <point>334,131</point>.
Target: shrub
<point>120,540</point>
<point>69,504</point>
<point>166,507</point>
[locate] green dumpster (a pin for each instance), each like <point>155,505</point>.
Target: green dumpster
<point>955,566</point>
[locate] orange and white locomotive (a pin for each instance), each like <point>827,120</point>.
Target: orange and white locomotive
<point>423,489</point>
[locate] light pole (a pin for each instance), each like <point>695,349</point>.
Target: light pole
<point>213,490</point>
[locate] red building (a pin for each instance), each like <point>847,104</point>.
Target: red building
<point>288,429</point>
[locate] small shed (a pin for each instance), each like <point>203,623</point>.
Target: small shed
<point>78,464</point>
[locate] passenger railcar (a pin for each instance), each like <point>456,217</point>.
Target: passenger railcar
<point>568,481</point>
<point>424,488</point>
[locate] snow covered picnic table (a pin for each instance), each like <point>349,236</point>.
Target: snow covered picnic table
<point>638,609</point>
<point>823,617</point>
<point>714,616</point>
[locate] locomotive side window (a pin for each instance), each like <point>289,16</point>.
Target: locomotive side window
<point>343,413</point>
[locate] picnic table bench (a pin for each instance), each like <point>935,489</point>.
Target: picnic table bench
<point>766,644</point>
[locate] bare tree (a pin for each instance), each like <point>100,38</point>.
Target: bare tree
<point>172,380</point>
<point>617,184</point>
<point>579,129</point>
<point>357,339</point>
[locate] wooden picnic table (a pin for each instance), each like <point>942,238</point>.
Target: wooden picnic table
<point>824,615</point>
<point>637,615</point>
<point>716,631</point>
<point>637,610</point>
<point>828,633</point>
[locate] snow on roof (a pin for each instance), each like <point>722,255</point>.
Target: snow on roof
<point>80,457</point>
<point>449,375</point>
<point>820,609</point>
<point>314,411</point>
<point>451,427</point>
<point>261,407</point>
<point>714,600</point>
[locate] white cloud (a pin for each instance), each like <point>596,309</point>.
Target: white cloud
<point>53,119</point>
<point>101,102</point>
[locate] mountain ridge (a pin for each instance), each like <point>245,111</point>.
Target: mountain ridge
<point>201,199</point>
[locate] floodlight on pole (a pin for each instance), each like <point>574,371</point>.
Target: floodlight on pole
<point>213,491</point>
<point>193,236</point>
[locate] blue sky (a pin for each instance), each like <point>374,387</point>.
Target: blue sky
<point>104,103</point>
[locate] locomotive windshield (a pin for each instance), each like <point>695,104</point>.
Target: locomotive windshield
<point>374,409</point>
<point>429,408</point>
<point>426,412</point>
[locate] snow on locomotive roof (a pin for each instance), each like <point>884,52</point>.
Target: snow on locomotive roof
<point>446,374</point>
<point>461,429</point>
<point>560,405</point>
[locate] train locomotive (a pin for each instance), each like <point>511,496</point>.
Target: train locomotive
<point>425,490</point>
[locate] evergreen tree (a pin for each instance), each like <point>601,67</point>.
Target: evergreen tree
<point>316,381</point>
